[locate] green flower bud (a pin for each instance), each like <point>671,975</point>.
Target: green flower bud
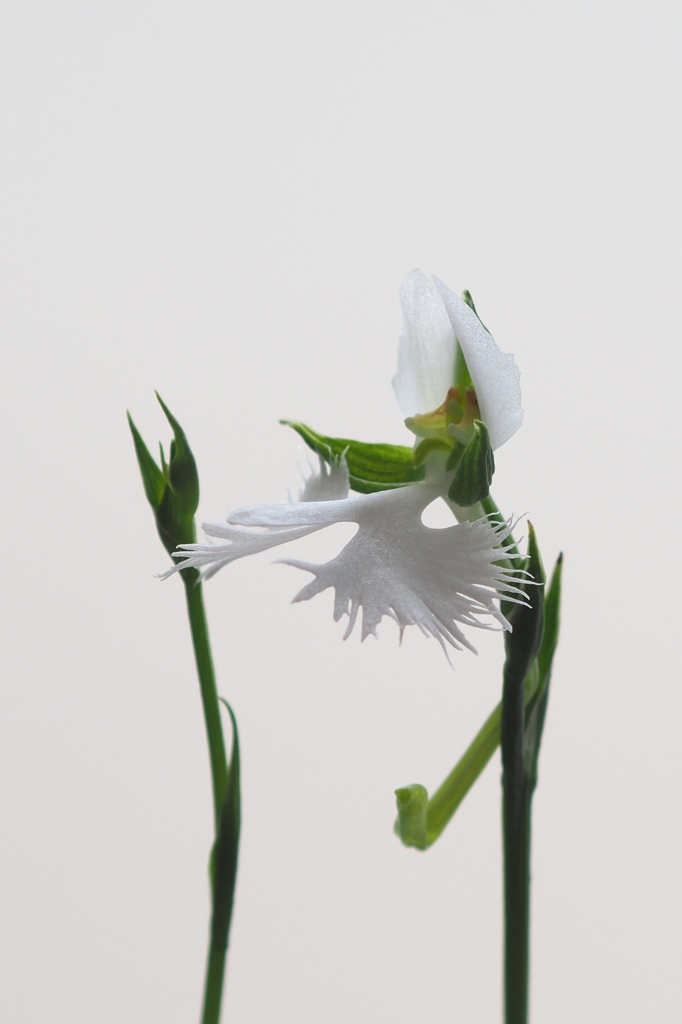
<point>182,469</point>
<point>172,489</point>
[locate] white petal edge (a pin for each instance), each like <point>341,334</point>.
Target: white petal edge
<point>494,373</point>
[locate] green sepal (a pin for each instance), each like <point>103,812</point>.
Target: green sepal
<point>225,853</point>
<point>152,477</point>
<point>471,482</point>
<point>371,467</point>
<point>182,468</point>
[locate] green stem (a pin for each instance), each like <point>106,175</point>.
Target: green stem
<point>213,990</point>
<point>215,966</point>
<point>207,684</point>
<point>450,794</point>
<point>516,819</point>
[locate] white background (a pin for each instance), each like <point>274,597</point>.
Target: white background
<point>220,200</point>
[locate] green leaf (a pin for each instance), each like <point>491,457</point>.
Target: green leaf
<point>552,619</point>
<point>371,467</point>
<point>152,477</point>
<point>471,482</point>
<point>537,710</point>
<point>226,851</point>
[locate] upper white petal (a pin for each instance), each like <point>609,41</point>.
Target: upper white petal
<point>494,373</point>
<point>426,348</point>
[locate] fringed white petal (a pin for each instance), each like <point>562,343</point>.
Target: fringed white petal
<point>438,580</point>
<point>426,348</point>
<point>394,566</point>
<point>494,373</point>
<point>231,542</point>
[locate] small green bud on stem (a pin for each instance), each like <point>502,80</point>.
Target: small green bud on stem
<point>172,489</point>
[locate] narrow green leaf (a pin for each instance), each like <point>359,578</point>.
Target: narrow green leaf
<point>471,482</point>
<point>152,477</point>
<point>537,710</point>
<point>552,618</point>
<point>371,467</point>
<point>227,848</point>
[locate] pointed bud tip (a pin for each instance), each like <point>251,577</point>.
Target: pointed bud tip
<point>167,413</point>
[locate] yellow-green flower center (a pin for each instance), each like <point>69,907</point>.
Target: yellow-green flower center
<point>450,424</point>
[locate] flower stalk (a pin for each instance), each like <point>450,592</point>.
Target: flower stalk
<point>172,490</point>
<point>516,724</point>
<point>520,736</point>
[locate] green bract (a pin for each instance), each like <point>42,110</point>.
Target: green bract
<point>383,467</point>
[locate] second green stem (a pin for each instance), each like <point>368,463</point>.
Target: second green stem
<point>215,967</point>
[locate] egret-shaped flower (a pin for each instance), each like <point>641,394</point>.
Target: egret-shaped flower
<point>461,398</point>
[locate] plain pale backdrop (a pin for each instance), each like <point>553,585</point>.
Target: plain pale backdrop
<point>220,200</point>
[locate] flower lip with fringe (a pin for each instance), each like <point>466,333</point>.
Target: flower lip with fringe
<point>394,566</point>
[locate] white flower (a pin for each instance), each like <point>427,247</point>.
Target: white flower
<point>395,566</point>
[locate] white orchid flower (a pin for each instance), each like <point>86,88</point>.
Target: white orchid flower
<point>460,393</point>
